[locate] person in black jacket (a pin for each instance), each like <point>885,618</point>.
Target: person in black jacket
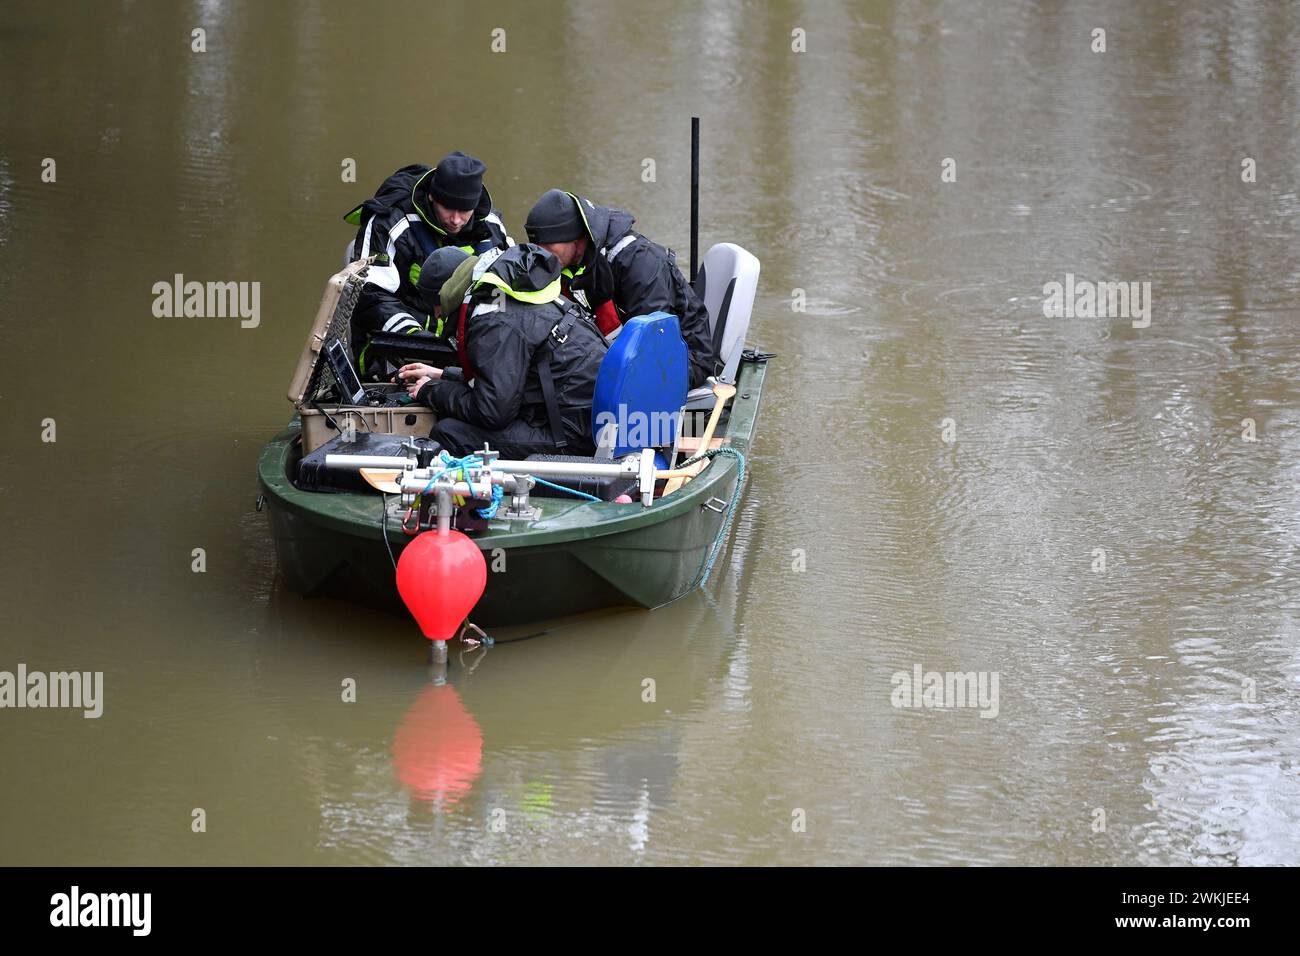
<point>532,357</point>
<point>606,263</point>
<point>415,211</point>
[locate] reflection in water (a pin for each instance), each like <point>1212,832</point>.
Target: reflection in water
<point>6,184</point>
<point>551,770</point>
<point>438,748</point>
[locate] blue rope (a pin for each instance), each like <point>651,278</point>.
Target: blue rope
<point>452,464</point>
<point>727,451</point>
<point>551,484</point>
<point>491,510</point>
<point>459,465</point>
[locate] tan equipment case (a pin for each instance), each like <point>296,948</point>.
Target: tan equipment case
<point>312,379</point>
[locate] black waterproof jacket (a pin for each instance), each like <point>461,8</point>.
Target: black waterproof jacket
<point>507,339</point>
<point>641,277</point>
<point>399,223</point>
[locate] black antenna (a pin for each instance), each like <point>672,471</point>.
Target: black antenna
<point>695,194</point>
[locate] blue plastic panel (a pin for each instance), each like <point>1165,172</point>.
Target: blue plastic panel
<point>642,384</point>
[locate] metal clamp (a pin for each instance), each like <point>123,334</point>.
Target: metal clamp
<point>519,506</point>
<point>720,507</point>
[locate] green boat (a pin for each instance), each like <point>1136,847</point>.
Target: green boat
<point>549,557</point>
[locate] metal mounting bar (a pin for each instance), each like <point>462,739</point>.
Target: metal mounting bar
<point>576,469</point>
<point>481,489</point>
<point>415,480</point>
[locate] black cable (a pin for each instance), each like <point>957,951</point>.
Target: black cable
<point>388,544</point>
<point>328,417</point>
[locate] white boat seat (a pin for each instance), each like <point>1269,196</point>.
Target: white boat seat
<point>727,282</point>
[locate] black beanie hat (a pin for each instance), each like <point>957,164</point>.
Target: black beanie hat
<point>554,218</point>
<point>435,272</point>
<point>457,182</point>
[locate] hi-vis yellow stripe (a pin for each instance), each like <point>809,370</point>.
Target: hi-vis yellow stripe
<point>541,296</point>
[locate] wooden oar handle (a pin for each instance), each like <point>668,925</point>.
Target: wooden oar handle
<point>680,472</point>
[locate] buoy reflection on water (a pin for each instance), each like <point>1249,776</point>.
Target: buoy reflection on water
<point>438,747</point>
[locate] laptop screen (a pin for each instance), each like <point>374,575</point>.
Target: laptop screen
<point>346,375</point>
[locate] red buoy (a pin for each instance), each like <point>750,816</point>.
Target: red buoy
<point>441,577</point>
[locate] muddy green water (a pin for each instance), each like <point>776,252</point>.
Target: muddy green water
<point>940,475</point>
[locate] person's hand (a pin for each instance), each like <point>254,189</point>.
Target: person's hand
<point>415,375</point>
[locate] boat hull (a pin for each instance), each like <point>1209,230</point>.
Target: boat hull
<point>578,557</point>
